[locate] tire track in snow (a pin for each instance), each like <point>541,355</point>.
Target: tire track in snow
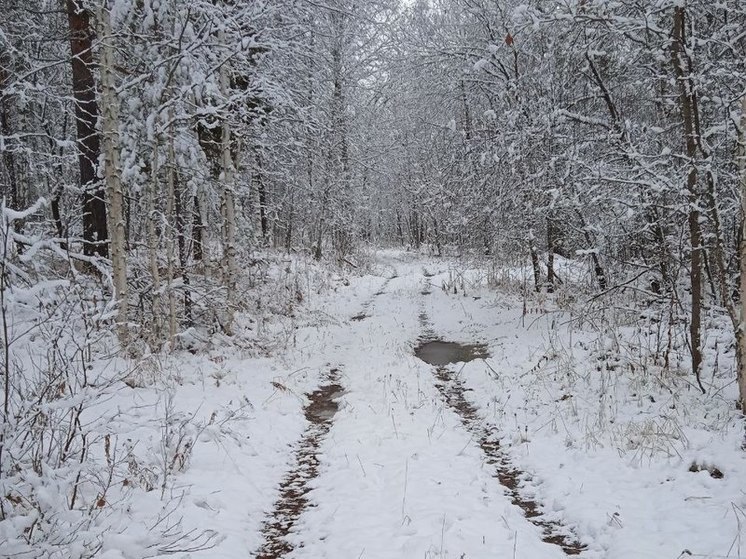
<point>453,392</point>
<point>363,314</point>
<point>292,502</point>
<point>320,413</point>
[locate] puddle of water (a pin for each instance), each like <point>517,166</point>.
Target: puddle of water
<point>294,487</point>
<point>440,353</point>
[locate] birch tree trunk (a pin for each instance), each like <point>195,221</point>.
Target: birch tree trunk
<point>170,248</point>
<point>227,205</point>
<point>112,179</point>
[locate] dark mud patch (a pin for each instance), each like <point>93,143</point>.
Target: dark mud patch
<point>452,389</point>
<point>440,353</point>
<point>293,500</point>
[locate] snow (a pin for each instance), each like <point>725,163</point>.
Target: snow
<point>605,442</point>
<point>480,64</point>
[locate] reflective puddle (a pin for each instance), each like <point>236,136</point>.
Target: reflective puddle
<point>440,353</point>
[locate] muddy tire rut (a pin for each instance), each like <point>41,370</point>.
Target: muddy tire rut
<point>453,392</point>
<point>293,500</point>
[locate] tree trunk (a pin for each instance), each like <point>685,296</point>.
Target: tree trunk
<point>686,105</point>
<point>740,333</point>
<point>56,216</point>
<point>654,220</point>
<point>181,224</point>
<point>227,206</point>
<point>11,192</point>
<point>598,270</point>
<point>197,230</point>
<point>114,192</point>
<point>86,115</point>
<point>339,164</point>
<point>550,255</point>
<point>317,252</point>
<point>262,190</point>
<point>534,261</point>
<point>467,115</point>
<point>399,231</point>
<point>170,231</point>
<point>152,232</point>
<point>11,188</point>
<point>289,227</point>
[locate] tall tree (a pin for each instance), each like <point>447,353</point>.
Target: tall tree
<point>112,170</point>
<point>95,232</point>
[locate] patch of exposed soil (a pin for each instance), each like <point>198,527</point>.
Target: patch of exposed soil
<point>452,389</point>
<point>319,412</point>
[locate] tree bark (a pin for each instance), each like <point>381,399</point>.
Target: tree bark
<point>152,232</point>
<point>170,245</point>
<point>550,255</point>
<point>740,330</point>
<point>181,225</point>
<point>598,270</point>
<point>687,107</point>
<point>112,180</point>
<point>227,206</point>
<point>197,230</point>
<point>95,233</point>
<point>262,191</point>
<point>11,191</point>
<point>290,218</point>
<point>534,261</point>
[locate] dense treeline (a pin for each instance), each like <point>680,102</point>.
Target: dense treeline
<point>611,132</point>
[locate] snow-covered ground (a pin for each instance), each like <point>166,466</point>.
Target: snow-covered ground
<point>606,443</point>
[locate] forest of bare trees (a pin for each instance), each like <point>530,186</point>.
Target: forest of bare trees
<point>151,149</point>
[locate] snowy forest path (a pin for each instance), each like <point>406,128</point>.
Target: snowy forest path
<point>397,473</point>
